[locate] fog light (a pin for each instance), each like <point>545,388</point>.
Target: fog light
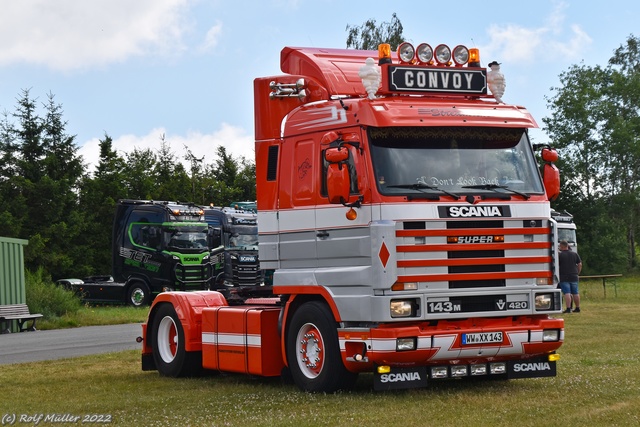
<point>459,371</point>
<point>543,301</point>
<point>554,357</point>
<point>401,308</point>
<point>439,372</point>
<point>497,368</point>
<point>405,344</point>
<point>550,335</point>
<point>384,369</point>
<point>479,369</point>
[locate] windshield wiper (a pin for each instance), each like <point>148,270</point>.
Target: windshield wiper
<point>422,186</point>
<point>495,188</point>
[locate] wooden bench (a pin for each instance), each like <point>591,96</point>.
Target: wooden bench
<point>610,277</point>
<point>20,313</point>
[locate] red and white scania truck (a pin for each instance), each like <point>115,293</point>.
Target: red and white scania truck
<point>407,225</point>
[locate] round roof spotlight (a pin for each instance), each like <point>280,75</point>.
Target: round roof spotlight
<point>406,53</point>
<point>460,55</point>
<point>424,53</point>
<point>443,54</point>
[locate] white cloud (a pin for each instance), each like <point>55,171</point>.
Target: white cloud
<point>212,37</point>
<point>70,34</point>
<point>236,141</point>
<point>534,45</point>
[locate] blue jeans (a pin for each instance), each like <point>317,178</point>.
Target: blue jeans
<point>569,288</point>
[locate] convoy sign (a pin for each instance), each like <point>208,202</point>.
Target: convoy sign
<point>437,79</point>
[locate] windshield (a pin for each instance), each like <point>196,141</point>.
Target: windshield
<point>184,236</point>
<point>567,234</point>
<point>243,238</point>
<point>445,160</point>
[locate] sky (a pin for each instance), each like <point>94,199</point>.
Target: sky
<point>142,70</point>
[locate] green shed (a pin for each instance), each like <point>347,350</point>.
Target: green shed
<point>12,281</point>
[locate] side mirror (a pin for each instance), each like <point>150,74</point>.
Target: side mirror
<point>338,179</point>
<point>551,179</point>
<point>550,173</point>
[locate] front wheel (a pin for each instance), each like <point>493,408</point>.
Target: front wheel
<point>313,352</point>
<point>138,294</point>
<point>169,354</point>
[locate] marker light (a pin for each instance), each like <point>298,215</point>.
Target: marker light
<point>443,54</point>
<point>384,53</point>
<point>351,214</point>
<point>406,53</point>
<point>460,55</point>
<point>474,57</point>
<point>424,53</point>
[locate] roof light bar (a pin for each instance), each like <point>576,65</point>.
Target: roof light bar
<point>406,53</point>
<point>424,53</point>
<point>460,55</point>
<point>443,54</point>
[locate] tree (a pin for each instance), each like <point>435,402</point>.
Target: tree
<point>369,35</point>
<point>139,179</point>
<point>595,123</point>
<point>98,197</point>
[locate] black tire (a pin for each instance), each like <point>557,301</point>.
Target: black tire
<point>313,352</point>
<point>169,354</point>
<point>138,294</point>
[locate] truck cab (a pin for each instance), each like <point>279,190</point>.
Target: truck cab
<point>566,228</point>
<point>160,246</point>
<point>239,232</point>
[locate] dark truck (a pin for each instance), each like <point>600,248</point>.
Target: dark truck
<point>239,229</point>
<point>161,246</point>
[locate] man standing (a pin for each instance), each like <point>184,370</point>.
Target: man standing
<point>570,267</point>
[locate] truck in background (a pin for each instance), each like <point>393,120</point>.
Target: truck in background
<point>407,224</point>
<point>239,231</point>
<point>161,246</point>
<point>566,228</point>
<point>247,206</point>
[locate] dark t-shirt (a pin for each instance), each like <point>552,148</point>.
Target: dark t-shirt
<point>569,261</point>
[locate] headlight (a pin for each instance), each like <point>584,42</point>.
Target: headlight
<point>543,301</point>
<point>402,308</point>
<point>405,344</point>
<point>550,335</point>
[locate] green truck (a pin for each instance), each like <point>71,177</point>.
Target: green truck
<point>160,246</point>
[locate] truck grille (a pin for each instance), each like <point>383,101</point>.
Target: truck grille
<point>473,254</point>
<point>196,276</point>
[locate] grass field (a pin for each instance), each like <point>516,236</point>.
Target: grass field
<point>598,384</point>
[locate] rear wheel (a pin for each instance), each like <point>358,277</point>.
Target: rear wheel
<point>138,294</point>
<point>313,352</point>
<point>169,352</point>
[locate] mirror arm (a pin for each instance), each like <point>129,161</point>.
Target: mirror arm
<point>355,204</point>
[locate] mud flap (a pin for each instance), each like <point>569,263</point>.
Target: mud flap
<point>531,368</point>
<point>148,363</point>
<point>401,378</point>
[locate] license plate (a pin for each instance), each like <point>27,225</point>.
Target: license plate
<point>482,338</point>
